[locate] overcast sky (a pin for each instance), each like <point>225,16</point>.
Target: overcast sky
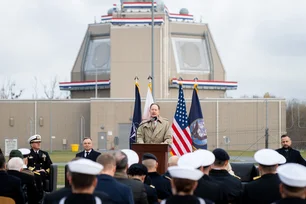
<point>262,43</point>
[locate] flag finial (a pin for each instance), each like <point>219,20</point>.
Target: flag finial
<point>195,85</point>
<point>136,79</point>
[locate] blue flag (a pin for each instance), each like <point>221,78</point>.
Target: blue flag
<point>136,115</point>
<point>196,123</point>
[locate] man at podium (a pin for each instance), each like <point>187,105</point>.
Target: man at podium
<point>156,130</point>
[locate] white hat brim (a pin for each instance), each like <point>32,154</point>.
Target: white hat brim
<point>185,172</point>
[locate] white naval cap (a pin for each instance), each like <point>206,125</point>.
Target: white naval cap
<point>292,174</point>
<point>24,151</point>
<point>85,166</point>
<point>189,159</point>
<point>206,157</point>
<point>197,159</point>
<point>132,156</point>
<point>185,172</point>
<point>269,157</point>
<point>34,138</point>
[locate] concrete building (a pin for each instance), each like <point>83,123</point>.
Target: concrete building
<point>116,50</point>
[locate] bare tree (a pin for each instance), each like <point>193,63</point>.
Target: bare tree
<point>35,87</point>
<point>50,90</point>
<point>8,90</point>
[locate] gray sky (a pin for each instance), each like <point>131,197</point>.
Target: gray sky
<point>262,43</point>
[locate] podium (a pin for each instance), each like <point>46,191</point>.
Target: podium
<point>159,150</point>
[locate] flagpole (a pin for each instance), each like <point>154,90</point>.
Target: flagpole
<point>152,47</point>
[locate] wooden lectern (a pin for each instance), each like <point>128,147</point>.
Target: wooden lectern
<point>159,150</point>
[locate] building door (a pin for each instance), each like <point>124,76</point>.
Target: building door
<point>102,141</point>
<point>124,135</point>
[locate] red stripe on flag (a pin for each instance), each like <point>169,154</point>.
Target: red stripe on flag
<point>185,147</point>
<point>175,143</point>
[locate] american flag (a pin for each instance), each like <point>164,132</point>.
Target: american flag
<point>182,142</point>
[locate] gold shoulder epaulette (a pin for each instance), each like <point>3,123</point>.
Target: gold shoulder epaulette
<point>167,177</point>
<point>31,168</point>
<point>257,177</point>
<point>37,173</point>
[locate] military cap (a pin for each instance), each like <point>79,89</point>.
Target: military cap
<point>34,138</point>
<point>132,156</point>
<point>15,153</point>
<point>137,169</point>
<point>85,166</point>
<point>148,156</point>
<point>185,172</point>
<point>206,157</point>
<point>269,157</point>
<point>221,154</point>
<point>189,159</point>
<point>292,174</point>
<point>24,151</point>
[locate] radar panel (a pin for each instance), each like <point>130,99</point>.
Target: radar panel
<point>98,57</point>
<point>190,55</point>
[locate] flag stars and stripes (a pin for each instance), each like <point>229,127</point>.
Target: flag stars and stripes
<point>182,142</point>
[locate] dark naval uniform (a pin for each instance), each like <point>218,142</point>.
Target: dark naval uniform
<point>83,198</point>
<point>38,161</point>
<point>151,194</point>
<point>290,201</point>
<point>262,190</point>
<point>231,185</point>
<point>187,199</point>
<point>28,186</point>
<point>209,189</point>
<point>162,185</point>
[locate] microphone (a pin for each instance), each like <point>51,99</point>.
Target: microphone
<point>153,119</point>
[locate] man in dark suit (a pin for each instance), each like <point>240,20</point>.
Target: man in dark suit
<point>120,193</point>
<point>15,166</point>
<point>10,185</point>
<point>89,152</point>
<point>138,189</point>
<point>230,184</point>
<point>291,155</point>
<point>266,188</point>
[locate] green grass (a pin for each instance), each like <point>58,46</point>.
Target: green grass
<point>62,156</point>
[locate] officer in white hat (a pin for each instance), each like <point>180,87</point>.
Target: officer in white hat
<point>39,161</point>
<point>265,188</point>
<point>293,183</point>
<point>202,160</point>
<point>184,181</point>
<point>83,182</point>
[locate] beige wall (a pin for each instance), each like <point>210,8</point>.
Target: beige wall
<point>64,122</point>
<point>243,121</point>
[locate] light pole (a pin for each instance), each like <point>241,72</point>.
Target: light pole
<point>96,94</point>
<point>152,47</point>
